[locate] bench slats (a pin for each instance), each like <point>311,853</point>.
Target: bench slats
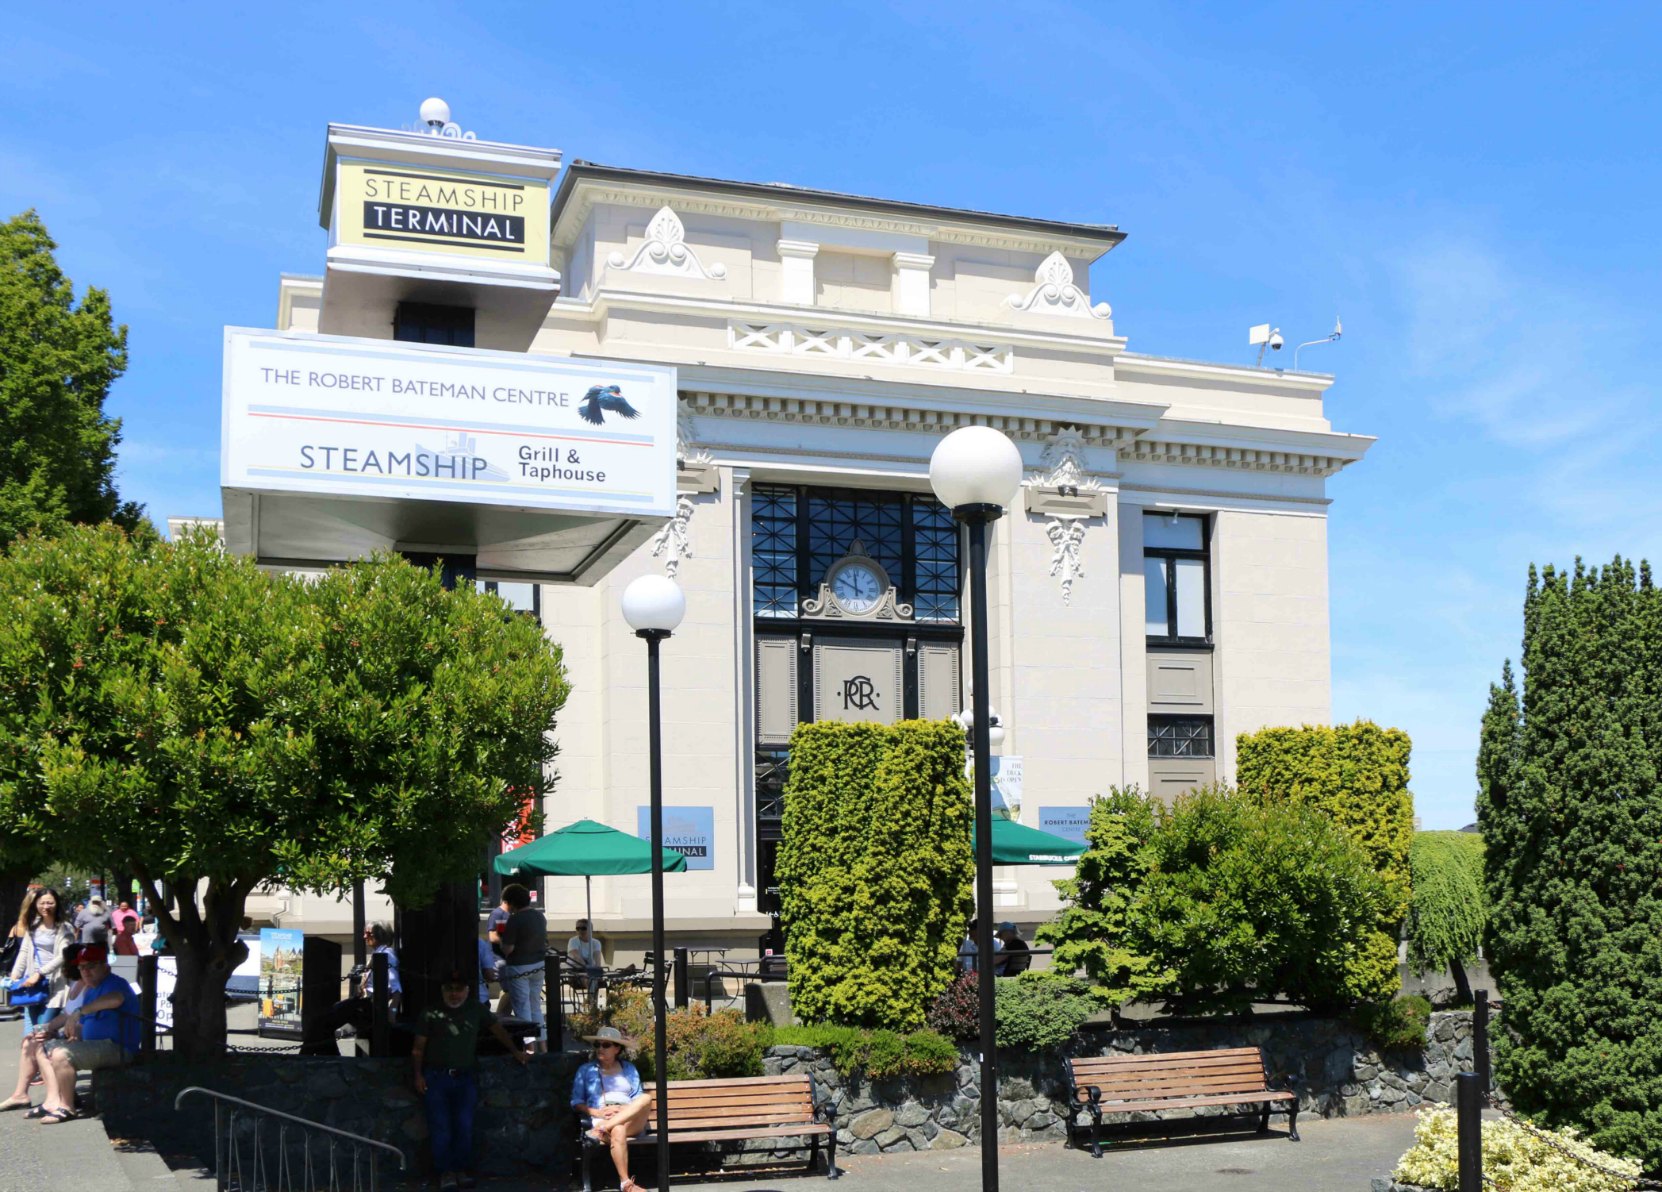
<point>1175,1080</point>
<point>726,1135</point>
<point>1182,1102</point>
<point>736,1099</point>
<point>741,1115</point>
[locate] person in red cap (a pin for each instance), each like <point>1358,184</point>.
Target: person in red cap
<point>103,1033</point>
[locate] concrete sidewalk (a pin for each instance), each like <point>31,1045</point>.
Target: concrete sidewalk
<point>1340,1155</point>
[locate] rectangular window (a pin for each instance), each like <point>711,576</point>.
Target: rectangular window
<point>1177,607</point>
<point>521,597</point>
<point>428,323</point>
<point>1180,736</point>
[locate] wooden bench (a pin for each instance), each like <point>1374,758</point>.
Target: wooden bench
<point>1174,1080</point>
<point>736,1110</point>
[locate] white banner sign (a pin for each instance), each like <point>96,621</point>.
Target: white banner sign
<point>329,415</point>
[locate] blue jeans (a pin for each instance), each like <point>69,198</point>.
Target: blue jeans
<point>523,985</point>
<point>451,1095</point>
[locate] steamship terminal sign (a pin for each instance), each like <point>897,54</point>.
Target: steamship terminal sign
<point>329,415</point>
<point>428,209</point>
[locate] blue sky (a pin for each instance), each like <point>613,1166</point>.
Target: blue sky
<point>1474,188</point>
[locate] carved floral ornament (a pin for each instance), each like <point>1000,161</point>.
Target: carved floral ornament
<point>673,541</point>
<point>665,250</point>
<point>1063,492</point>
<point>1054,293</point>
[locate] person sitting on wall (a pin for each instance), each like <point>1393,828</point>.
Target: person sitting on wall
<point>446,1061</point>
<point>607,1092</point>
<point>31,1069</point>
<point>103,1033</point>
<point>1014,956</point>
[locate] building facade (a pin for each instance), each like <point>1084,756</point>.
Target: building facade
<point>1160,587</point>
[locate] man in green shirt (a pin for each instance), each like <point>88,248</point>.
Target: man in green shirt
<point>445,1059</point>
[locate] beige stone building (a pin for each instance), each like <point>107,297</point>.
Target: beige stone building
<point>1161,587</point>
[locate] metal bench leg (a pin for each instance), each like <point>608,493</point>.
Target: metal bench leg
<point>832,1172</point>
<point>1264,1119</point>
<point>1292,1123</point>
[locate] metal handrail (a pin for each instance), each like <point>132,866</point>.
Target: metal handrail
<point>357,1139</point>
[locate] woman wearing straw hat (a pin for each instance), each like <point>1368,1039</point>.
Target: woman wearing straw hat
<point>608,1091</point>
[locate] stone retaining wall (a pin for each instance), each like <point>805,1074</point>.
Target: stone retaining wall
<point>1335,1071</point>
<point>524,1125</point>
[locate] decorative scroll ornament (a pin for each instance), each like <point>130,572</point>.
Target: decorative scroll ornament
<point>1054,293</point>
<point>1067,540</point>
<point>885,605</point>
<point>673,540</point>
<point>666,251</point>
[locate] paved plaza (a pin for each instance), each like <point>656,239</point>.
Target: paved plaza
<point>1335,1156</point>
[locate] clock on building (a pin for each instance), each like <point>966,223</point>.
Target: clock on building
<point>857,586</point>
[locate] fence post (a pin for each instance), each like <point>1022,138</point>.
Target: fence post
<point>378,1007</point>
<point>147,1003</point>
<point>1480,1040</point>
<point>1468,1116</point>
<point>683,979</point>
<point>554,1012</point>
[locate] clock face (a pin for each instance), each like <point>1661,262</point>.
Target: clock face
<point>857,588</point>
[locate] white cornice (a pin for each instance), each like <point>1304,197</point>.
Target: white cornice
<point>1134,364</point>
<point>793,206</point>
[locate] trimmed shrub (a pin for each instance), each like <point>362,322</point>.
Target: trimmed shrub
<point>875,1054</point>
<point>1449,907</point>
<point>1246,900</point>
<point>1357,775</point>
<point>1094,931</point>
<point>1570,806</point>
<point>875,870</point>
<point>956,1013</point>
<point>1040,1010</point>
<point>1396,1025</point>
<point>698,1046</point>
<point>1513,1158</point>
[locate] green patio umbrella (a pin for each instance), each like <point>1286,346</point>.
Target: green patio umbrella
<point>1017,844</point>
<point>585,849</point>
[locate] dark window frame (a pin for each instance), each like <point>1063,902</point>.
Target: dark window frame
<point>1173,743</point>
<point>1168,556</point>
<point>434,323</point>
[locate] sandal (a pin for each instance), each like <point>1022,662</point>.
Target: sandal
<point>57,1117</point>
<point>16,1103</point>
<point>37,1113</point>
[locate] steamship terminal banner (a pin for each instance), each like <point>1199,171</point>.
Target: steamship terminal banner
<point>331,415</point>
<point>386,205</point>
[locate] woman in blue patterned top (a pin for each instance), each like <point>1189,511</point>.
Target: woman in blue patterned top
<point>608,1091</point>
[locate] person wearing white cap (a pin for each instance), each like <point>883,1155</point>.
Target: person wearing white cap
<point>608,1092</point>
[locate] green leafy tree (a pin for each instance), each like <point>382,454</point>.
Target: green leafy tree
<point>1449,908</point>
<point>173,712</point>
<point>875,871</point>
<point>1356,775</point>
<point>1571,813</point>
<point>1094,930</point>
<point>58,359</point>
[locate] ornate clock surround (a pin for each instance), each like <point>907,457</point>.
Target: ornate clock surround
<point>827,606</point>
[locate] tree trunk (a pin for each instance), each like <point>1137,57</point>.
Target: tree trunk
<point>13,887</point>
<point>199,1000</point>
<point>1462,985</point>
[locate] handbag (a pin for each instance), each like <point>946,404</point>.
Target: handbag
<point>20,994</point>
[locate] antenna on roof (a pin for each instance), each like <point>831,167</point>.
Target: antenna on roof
<point>1338,330</point>
<point>1264,336</point>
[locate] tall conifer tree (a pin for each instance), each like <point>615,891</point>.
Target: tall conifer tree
<point>1571,811</point>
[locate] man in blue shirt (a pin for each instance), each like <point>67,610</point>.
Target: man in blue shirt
<point>102,1033</point>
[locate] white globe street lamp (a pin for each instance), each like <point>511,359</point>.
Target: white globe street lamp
<point>976,471</point>
<point>654,605</point>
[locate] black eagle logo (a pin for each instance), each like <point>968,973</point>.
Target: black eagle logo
<point>605,397</point>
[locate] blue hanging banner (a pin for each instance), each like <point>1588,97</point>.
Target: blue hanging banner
<point>690,831</point>
<point>1067,822</point>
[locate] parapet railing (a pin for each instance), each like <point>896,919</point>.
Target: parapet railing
<point>277,1154</point>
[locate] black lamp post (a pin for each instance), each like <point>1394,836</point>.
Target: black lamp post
<point>976,471</point>
<point>654,606</point>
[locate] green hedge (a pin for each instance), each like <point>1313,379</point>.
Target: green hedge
<point>876,1054</point>
<point>875,871</point>
<point>1357,775</point>
<point>1222,899</point>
